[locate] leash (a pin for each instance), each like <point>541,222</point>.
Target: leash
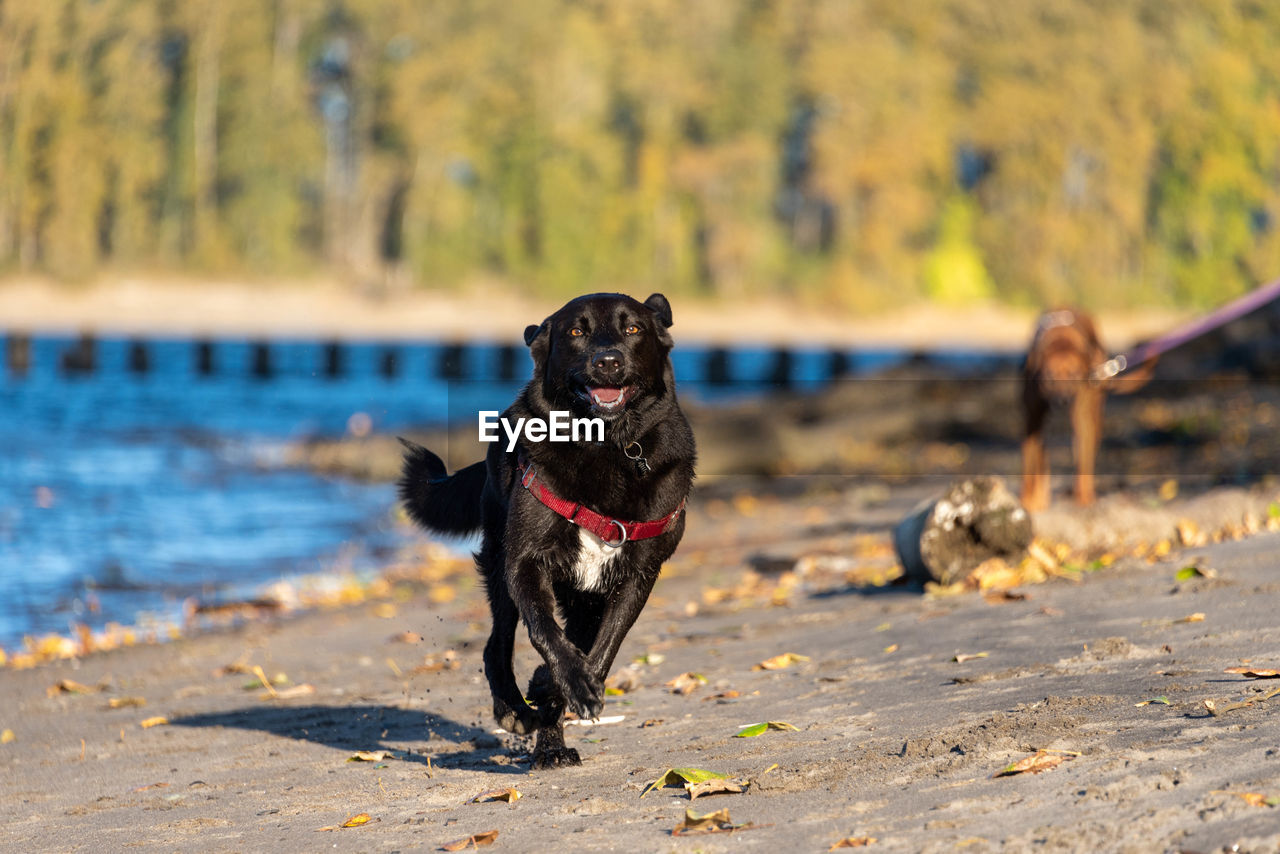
<point>614,532</point>
<point>1190,330</point>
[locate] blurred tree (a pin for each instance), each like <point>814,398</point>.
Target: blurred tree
<point>856,153</point>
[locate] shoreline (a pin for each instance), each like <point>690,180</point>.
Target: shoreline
<point>181,306</point>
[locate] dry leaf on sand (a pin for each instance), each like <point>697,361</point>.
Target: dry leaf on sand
<point>475,840</point>
<point>712,822</point>
<point>681,776</point>
<point>686,683</point>
<point>1041,760</point>
<point>778,662</point>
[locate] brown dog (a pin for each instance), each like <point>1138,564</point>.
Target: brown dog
<point>1066,361</point>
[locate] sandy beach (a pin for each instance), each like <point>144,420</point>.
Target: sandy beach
<point>905,708</point>
<point>326,308</point>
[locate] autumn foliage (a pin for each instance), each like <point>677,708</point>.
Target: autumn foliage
<point>846,152</point>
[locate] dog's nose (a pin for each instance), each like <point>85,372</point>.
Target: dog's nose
<point>607,362</point>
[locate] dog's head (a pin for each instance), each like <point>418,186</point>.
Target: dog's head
<point>602,355</point>
<point>1065,352</point>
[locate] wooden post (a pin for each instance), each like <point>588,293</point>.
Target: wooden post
<point>18,354</point>
<point>139,357</point>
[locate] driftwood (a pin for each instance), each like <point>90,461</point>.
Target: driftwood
<point>976,519</point>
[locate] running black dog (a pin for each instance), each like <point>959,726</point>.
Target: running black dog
<point>557,516</point>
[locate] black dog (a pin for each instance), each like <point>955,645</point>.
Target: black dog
<point>557,516</point>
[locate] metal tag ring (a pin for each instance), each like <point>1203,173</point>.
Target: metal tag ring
<point>620,543</point>
<point>639,451</point>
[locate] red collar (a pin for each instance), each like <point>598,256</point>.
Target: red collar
<point>613,531</point>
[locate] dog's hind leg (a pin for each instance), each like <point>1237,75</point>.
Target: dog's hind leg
<point>550,751</point>
<point>509,708</point>
<point>1035,462</point>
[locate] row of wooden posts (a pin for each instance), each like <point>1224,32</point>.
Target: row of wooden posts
<point>80,358</point>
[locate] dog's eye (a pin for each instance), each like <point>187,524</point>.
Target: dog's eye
<point>632,330</point>
<point>576,332</point>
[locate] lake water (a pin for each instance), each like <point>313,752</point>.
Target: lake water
<point>123,492</point>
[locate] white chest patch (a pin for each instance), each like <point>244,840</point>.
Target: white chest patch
<point>593,557</point>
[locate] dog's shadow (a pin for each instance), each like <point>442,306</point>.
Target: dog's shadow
<point>369,728</point>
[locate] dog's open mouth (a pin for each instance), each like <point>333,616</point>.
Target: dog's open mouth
<point>608,398</point>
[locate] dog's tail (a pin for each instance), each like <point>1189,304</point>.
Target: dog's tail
<point>436,500</point>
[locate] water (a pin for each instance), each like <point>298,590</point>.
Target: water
<point>123,493</point>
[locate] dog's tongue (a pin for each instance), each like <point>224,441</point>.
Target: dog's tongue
<point>605,394</point>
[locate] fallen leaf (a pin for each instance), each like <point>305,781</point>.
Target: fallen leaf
<point>405,637</point>
<point>304,690</point>
<point>890,649</point>
<point>1254,672</point>
<point>510,795</point>
<point>158,720</point>
<point>723,695</point>
<point>70,686</point>
<point>475,840</point>
<point>369,756</point>
<point>999,597</point>
<point>752,730</point>
<point>357,820</point>
<point>1189,572</point>
<point>1189,534</point>
<point>853,842</point>
<point>240,665</point>
<point>447,660</point>
<point>622,681</point>
<point>1168,490</point>
<point>1257,799</point>
<point>1041,760</point>
<point>712,822</point>
<point>651,658</point>
<point>686,682</point>
<point>962,657</point>
<point>651,722</point>
<point>680,776</point>
<point>125,702</point>
<point>1191,618</point>
<point>732,786</point>
<point>1164,701</point>
<point>149,787</point>
<point>266,683</point>
<point>778,662</point>
<point>7,737</point>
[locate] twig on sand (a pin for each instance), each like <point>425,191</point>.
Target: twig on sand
<point>1216,710</point>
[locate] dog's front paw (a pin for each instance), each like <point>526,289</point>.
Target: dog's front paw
<point>555,757</point>
<point>519,721</point>
<point>583,693</point>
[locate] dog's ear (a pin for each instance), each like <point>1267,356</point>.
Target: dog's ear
<point>658,303</point>
<point>531,332</point>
